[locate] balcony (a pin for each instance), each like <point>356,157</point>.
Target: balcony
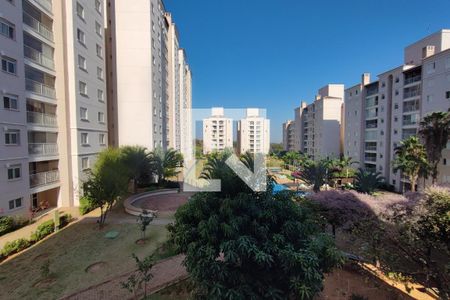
<point>47,4</point>
<point>40,88</point>
<point>413,79</point>
<point>43,149</point>
<point>44,178</point>
<point>41,119</point>
<point>38,57</point>
<point>37,26</point>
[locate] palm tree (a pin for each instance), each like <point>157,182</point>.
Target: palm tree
<point>137,161</point>
<point>367,182</point>
<point>345,163</point>
<point>315,174</point>
<point>165,164</point>
<point>410,159</point>
<point>434,130</point>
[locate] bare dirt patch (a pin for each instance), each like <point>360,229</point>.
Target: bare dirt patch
<point>44,283</point>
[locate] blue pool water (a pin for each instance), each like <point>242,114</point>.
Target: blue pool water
<point>281,187</point>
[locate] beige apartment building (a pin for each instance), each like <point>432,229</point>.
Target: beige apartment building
<point>253,132</point>
<point>53,109</point>
<point>318,125</point>
<point>217,132</point>
<point>150,94</point>
<point>289,135</point>
<point>379,114</point>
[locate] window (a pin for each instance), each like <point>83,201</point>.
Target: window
<point>80,10</point>
<point>397,80</point>
<point>14,172</point>
<point>444,162</point>
<point>81,36</point>
<point>6,29</point>
<point>12,137</point>
<point>102,139</point>
<point>99,51</point>
<point>85,163</point>
<point>100,96</point>
<point>82,63</point>
<point>98,28</point>
<point>10,102</point>
<point>447,95</point>
<point>9,65</point>
<point>395,106</point>
<point>154,111</point>
<point>84,139</point>
<point>84,113</point>
<point>16,203</point>
<point>99,73</point>
<point>82,88</point>
<point>429,98</point>
<point>430,67</point>
<point>98,6</point>
<point>101,117</point>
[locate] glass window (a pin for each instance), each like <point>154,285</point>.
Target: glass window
<point>98,29</point>
<point>82,87</point>
<point>83,113</point>
<point>80,10</point>
<point>101,117</point>
<point>9,65</point>
<point>14,172</point>
<point>82,63</point>
<point>12,137</point>
<point>84,139</point>
<point>81,36</point>
<point>6,29</point>
<point>99,51</point>
<point>98,6</point>
<point>100,96</point>
<point>85,163</point>
<point>10,102</point>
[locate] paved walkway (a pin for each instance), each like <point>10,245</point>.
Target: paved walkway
<point>165,273</point>
<point>25,232</point>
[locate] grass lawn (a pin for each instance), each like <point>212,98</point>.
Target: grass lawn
<point>71,252</point>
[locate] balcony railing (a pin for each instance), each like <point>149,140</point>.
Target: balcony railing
<point>42,149</point>
<point>47,4</point>
<point>410,80</point>
<point>44,178</point>
<point>39,88</point>
<point>371,148</point>
<point>38,57</point>
<point>38,27</point>
<point>42,119</point>
<point>412,93</point>
<point>370,158</point>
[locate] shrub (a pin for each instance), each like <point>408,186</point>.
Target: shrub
<point>14,247</point>
<point>43,230</point>
<point>65,219</point>
<point>6,225</point>
<point>86,205</point>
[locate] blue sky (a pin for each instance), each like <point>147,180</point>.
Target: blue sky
<point>274,53</point>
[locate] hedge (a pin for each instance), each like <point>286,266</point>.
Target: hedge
<point>14,247</point>
<point>85,206</point>
<point>6,225</point>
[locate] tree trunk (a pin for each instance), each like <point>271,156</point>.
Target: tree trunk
<point>412,180</point>
<point>333,228</point>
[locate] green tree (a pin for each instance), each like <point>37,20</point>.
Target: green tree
<point>107,182</point>
<point>368,182</point>
<point>253,246</point>
<point>410,159</point>
<point>166,164</point>
<point>217,168</point>
<point>434,130</point>
<point>141,277</point>
<point>137,161</point>
<point>144,219</point>
<point>315,174</point>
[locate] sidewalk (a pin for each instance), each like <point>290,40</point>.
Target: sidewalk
<point>25,232</point>
<point>165,273</point>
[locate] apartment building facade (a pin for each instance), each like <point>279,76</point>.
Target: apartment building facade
<point>217,132</point>
<point>253,133</point>
<point>289,135</point>
<point>149,78</point>
<point>53,109</point>
<point>318,125</point>
<point>382,113</point>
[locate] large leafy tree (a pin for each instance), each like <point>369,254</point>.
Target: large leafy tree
<point>107,182</point>
<point>165,164</point>
<point>137,162</point>
<point>367,181</point>
<point>410,159</point>
<point>253,246</point>
<point>435,130</point>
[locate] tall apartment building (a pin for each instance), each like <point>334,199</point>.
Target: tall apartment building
<point>53,111</point>
<point>253,133</point>
<point>318,125</point>
<point>149,78</point>
<point>382,113</point>
<point>217,131</point>
<point>289,135</point>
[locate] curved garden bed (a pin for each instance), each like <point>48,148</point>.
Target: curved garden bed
<point>136,211</point>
